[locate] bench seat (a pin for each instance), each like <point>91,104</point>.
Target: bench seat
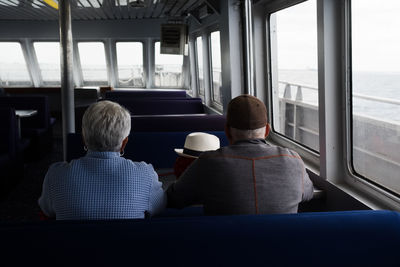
<point>350,238</point>
<point>156,148</point>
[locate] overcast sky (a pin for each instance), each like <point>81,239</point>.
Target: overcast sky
<point>375,36</point>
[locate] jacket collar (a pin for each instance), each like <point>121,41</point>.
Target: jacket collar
<point>250,141</point>
<point>102,154</point>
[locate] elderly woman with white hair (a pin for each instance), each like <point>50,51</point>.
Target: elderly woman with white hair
<point>102,184</point>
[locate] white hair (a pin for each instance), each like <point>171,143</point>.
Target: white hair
<point>238,134</point>
<point>105,125</point>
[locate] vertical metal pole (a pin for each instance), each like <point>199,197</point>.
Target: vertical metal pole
<point>249,47</point>
<point>67,79</point>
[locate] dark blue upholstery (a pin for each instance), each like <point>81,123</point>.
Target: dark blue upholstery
<point>8,132</point>
<point>117,94</point>
<point>156,148</point>
<point>178,123</point>
<point>37,128</point>
<point>354,238</point>
<point>158,106</point>
<point>11,151</point>
<point>36,102</point>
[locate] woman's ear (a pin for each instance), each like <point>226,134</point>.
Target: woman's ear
<point>124,142</point>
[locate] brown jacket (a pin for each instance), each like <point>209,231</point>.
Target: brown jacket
<point>249,177</point>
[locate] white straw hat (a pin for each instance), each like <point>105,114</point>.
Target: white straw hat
<point>197,143</point>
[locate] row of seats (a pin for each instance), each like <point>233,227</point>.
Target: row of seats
<point>140,93</point>
<point>83,96</point>
<point>312,239</point>
<point>22,139</point>
<point>37,128</point>
<point>161,120</point>
<point>156,148</point>
<point>11,151</point>
<point>352,238</point>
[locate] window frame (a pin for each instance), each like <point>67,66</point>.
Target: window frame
<point>333,162</point>
<point>79,63</point>
<point>184,74</point>
<point>116,72</point>
<point>202,96</point>
<point>214,103</point>
<point>366,184</point>
<point>36,63</point>
<point>310,155</point>
<point>26,59</point>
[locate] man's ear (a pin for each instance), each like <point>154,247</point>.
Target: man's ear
<point>124,142</point>
<point>267,129</point>
<point>228,133</point>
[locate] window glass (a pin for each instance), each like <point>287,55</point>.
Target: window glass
<point>37,4</point>
<point>199,61</point>
<point>93,63</point>
<point>10,3</point>
<point>216,67</point>
<point>48,56</point>
<point>13,70</point>
<point>293,35</point>
<point>130,64</point>
<point>90,3</point>
<point>168,69</point>
<point>376,91</point>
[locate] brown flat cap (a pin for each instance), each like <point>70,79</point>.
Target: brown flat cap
<point>246,112</point>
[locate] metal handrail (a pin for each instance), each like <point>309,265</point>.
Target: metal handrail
<point>357,95</point>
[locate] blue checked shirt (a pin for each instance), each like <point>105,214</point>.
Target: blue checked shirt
<point>101,185</point>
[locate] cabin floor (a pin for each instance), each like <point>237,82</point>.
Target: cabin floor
<point>21,203</point>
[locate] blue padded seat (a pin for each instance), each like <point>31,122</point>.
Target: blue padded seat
<point>178,123</point>
<point>351,238</point>
<point>8,132</point>
<point>37,128</point>
<point>11,151</point>
<point>156,148</point>
<point>152,106</point>
<point>116,94</point>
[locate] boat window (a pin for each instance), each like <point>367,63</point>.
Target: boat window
<point>37,4</point>
<point>10,3</point>
<point>90,3</point>
<point>294,67</point>
<point>93,63</point>
<point>130,64</point>
<point>13,69</point>
<point>168,69</point>
<point>199,62</point>
<point>216,67</point>
<point>376,91</point>
<point>48,57</point>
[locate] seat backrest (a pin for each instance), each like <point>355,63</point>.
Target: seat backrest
<point>118,94</point>
<point>150,106</point>
<point>354,238</point>
<point>8,131</point>
<point>178,123</point>
<point>25,102</point>
<point>156,148</point>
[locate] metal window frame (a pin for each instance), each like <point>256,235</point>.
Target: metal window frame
<point>116,69</point>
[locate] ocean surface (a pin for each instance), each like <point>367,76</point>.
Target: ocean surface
<point>375,84</point>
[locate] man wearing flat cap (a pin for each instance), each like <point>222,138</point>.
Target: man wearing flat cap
<point>247,177</point>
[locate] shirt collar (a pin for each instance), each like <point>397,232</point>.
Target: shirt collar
<point>102,154</point>
<point>251,141</point>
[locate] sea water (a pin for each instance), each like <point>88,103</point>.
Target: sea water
<point>374,84</point>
